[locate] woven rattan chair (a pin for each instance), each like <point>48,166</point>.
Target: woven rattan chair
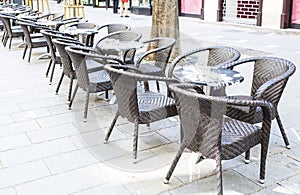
<point>10,31</point>
<point>155,60</point>
<point>90,82</point>
<point>120,36</point>
<point>55,59</point>
<point>138,107</point>
<point>205,129</point>
<point>270,76</point>
<point>214,56</point>
<point>68,70</point>
<point>29,41</point>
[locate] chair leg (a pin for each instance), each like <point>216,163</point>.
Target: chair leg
<point>25,50</point>
<point>111,127</point>
<point>286,141</point>
<point>247,157</point>
<point>74,93</point>
<point>48,69</point>
<point>146,86</point>
<point>9,44</point>
<point>157,86</point>
<point>5,41</point>
<point>219,174</point>
<point>106,94</point>
<point>59,83</point>
<point>87,97</point>
<point>70,88</point>
<point>29,56</point>
<point>135,138</point>
<point>52,73</point>
<point>174,163</point>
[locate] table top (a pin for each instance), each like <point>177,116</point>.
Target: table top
<point>207,76</point>
<point>113,44</point>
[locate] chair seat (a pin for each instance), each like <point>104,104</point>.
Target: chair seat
<point>238,133</point>
<point>99,81</point>
<point>39,42</point>
<point>149,68</point>
<point>243,111</point>
<point>153,105</point>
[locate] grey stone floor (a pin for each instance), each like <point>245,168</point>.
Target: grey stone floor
<point>47,149</point>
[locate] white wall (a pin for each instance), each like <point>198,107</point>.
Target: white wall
<point>210,10</point>
<point>271,13</point>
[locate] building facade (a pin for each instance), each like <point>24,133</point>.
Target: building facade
<point>265,13</point>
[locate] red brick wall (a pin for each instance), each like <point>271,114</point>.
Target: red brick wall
<point>247,9</point>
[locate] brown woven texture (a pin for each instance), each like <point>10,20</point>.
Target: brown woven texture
<point>10,32</point>
<point>205,128</point>
<point>90,82</point>
<point>217,56</point>
<point>121,36</point>
<point>136,105</point>
<point>270,76</point>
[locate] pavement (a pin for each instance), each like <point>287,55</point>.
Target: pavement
<point>47,149</point>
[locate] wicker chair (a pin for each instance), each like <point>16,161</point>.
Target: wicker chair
<point>55,59</point>
<point>136,106</point>
<point>29,41</point>
<point>270,76</point>
<point>121,36</point>
<point>10,31</point>
<point>205,129</point>
<point>216,56</point>
<point>90,82</point>
<point>68,70</point>
<point>160,50</point>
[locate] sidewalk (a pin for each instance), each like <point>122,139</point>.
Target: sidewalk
<point>47,149</point>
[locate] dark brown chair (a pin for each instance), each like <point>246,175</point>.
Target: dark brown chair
<point>214,56</point>
<point>155,60</point>
<point>29,41</point>
<point>90,82</point>
<point>55,59</point>
<point>68,70</point>
<point>120,36</point>
<point>207,130</point>
<point>10,31</point>
<point>136,106</point>
<point>270,76</point>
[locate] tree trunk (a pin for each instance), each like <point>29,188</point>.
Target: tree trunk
<point>165,22</point>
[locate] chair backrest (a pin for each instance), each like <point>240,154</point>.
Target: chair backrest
<point>26,30</point>
<point>216,56</point>
<point>60,45</point>
<point>79,56</point>
<point>202,118</point>
<point>160,49</point>
<point>115,27</point>
<point>84,25</point>
<point>270,76</point>
<point>125,81</point>
<point>6,19</point>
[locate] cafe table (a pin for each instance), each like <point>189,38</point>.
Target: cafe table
<point>211,78</point>
<point>85,35</point>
